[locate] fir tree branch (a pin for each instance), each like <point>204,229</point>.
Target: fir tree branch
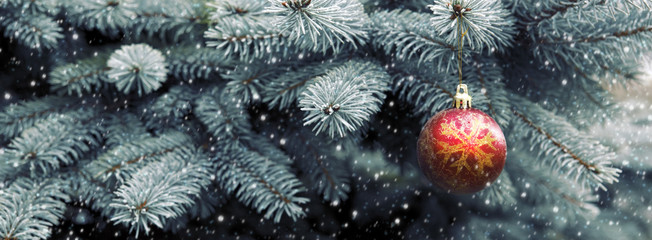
<point>587,162</point>
<point>266,186</point>
<point>593,42</point>
<point>248,42</point>
<point>28,209</point>
<point>320,25</point>
<point>49,144</point>
<point>17,117</point>
<point>161,190</point>
<point>33,31</point>
<point>408,35</point>
<point>552,188</point>
<point>122,161</point>
<point>171,109</point>
<point>81,77</point>
<point>284,90</point>
<point>123,128</point>
<point>344,99</point>
<point>225,118</point>
<point>107,16</point>
<point>192,63</point>
<point>486,24</point>
<point>328,175</point>
<point>137,66</point>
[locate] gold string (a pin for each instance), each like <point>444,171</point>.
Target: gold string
<point>459,53</point>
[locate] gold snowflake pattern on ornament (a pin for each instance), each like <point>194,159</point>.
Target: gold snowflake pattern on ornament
<point>469,145</point>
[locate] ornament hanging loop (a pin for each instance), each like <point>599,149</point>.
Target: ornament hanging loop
<point>462,100</point>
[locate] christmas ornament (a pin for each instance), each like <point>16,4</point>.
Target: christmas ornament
<point>461,149</point>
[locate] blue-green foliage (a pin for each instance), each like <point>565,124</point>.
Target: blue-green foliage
<point>122,161</point>
<point>84,76</point>
<point>31,23</point>
<point>320,25</point>
<point>564,149</point>
<point>264,185</point>
<point>397,34</point>
<point>161,190</point>
<point>53,142</point>
<point>30,207</point>
<point>345,98</point>
<point>206,100</point>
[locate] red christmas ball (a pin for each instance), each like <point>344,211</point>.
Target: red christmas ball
<point>461,150</point>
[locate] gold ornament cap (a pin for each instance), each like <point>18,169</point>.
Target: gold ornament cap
<point>462,100</point>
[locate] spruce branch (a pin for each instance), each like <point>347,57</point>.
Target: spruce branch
<point>123,128</point>
<point>47,7</point>
<point>248,42</point>
<point>541,186</point>
<point>500,193</point>
<point>33,31</point>
<point>194,63</point>
<point>246,12</point>
<point>81,77</point>
<point>407,35</point>
<point>489,74</point>
<point>320,25</point>
<point>594,42</point>
<point>284,90</point>
<point>107,16</point>
<point>328,175</point>
<point>247,82</point>
<point>225,118</point>
<point>264,185</point>
<point>53,142</point>
<point>122,161</point>
<point>161,190</point>
<point>17,117</point>
<point>170,109</point>
<point>563,147</point>
<point>137,66</point>
<point>28,208</point>
<point>344,99</point>
<point>486,24</point>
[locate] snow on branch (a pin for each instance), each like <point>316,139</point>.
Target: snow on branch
<point>485,24</point>
<point>161,190</point>
<point>321,25</point>
<point>344,99</point>
<point>266,186</point>
<point>560,145</point>
<point>407,35</point>
<point>29,209</point>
